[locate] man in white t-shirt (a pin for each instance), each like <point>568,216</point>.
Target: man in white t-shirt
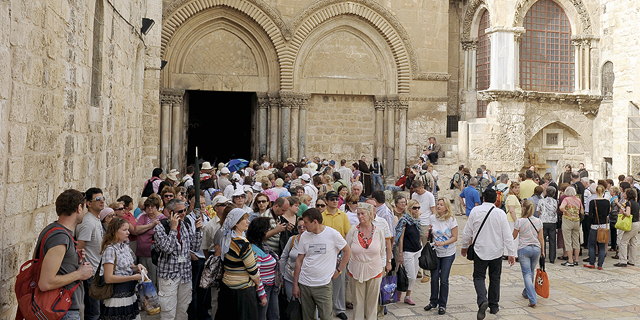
<point>427,205</point>
<point>315,266</point>
<point>309,189</point>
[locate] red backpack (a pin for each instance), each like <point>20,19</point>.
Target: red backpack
<point>34,304</point>
<point>500,198</point>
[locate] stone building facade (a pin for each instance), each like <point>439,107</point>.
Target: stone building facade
<point>78,108</point>
<point>87,100</point>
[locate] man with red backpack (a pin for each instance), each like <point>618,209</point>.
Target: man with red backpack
<point>63,264</point>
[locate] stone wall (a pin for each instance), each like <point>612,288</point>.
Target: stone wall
<point>71,112</point>
<point>340,127</point>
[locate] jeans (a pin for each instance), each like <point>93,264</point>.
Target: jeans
<point>91,305</point>
<point>377,181</point>
<point>199,299</point>
<point>440,281</point>
<point>271,311</point>
<point>528,257</point>
<point>602,247</point>
<point>480,274</point>
<point>71,315</point>
<point>549,230</point>
<point>393,188</point>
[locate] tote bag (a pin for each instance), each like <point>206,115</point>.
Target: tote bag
<point>624,223</point>
<point>403,279</point>
<point>542,281</point>
<point>388,289</point>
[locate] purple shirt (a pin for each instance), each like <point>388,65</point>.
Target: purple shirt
<point>146,239</point>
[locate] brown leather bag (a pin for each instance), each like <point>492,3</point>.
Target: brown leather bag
<point>603,233</point>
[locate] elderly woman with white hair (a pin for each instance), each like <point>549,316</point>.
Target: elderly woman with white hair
<point>367,245</point>
<point>241,278</point>
<point>572,210</point>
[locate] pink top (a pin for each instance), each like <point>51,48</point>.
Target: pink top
<point>146,239</point>
<point>366,264</point>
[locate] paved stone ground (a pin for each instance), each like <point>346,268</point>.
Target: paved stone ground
<point>576,293</point>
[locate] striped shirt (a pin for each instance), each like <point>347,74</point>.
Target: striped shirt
<point>175,259</point>
<point>267,265</point>
<point>241,267</point>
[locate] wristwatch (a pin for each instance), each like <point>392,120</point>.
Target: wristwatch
<point>389,261</point>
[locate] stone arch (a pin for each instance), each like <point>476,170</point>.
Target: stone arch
<point>258,72</point>
<point>369,10</point>
<point>575,10</point>
<point>257,12</point>
<point>366,64</point>
<point>553,118</point>
<point>472,16</point>
<point>572,150</point>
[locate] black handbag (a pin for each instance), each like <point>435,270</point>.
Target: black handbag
<point>471,254</point>
<point>403,279</point>
<point>428,259</point>
<point>294,310</point>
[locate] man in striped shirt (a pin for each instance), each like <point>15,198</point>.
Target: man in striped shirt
<point>174,261</point>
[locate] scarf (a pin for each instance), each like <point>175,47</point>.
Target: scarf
<point>404,220</point>
<point>228,233</point>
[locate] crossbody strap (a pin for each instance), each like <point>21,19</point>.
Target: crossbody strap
<point>482,225</point>
<point>534,226</point>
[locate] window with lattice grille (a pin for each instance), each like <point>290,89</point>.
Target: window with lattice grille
<point>483,61</point>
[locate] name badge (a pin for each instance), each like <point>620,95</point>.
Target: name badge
<point>318,248</point>
<point>181,259</point>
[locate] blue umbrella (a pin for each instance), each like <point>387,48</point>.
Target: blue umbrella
<point>236,164</point>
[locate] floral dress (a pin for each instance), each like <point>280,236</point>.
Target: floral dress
<point>123,304</point>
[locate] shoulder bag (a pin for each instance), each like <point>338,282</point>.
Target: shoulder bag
<point>100,289</point>
<point>603,233</point>
<point>471,254</point>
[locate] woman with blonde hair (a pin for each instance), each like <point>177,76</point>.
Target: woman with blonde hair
<point>514,209</point>
<point>599,212</point>
<point>444,229</point>
<point>119,269</point>
<point>530,247</point>
<point>365,266</point>
<point>409,247</point>
<point>572,210</point>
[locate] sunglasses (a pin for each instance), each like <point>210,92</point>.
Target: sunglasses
<point>355,202</point>
<point>262,201</point>
<point>321,205</point>
<point>98,199</point>
<point>302,227</point>
<point>118,209</point>
<point>168,196</point>
<point>222,204</point>
<point>333,199</point>
<point>180,211</point>
<point>415,208</point>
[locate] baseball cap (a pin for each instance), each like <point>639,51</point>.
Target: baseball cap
<point>331,194</point>
<point>219,199</point>
<point>305,177</point>
<point>225,170</point>
<point>239,193</point>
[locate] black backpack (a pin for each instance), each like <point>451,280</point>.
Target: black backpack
<point>451,184</point>
<point>166,223</point>
<point>148,188</point>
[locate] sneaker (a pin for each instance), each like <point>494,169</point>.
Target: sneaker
<point>575,263</point>
<point>342,316</point>
<point>590,266</point>
<point>442,310</point>
<point>623,265</point>
<point>567,264</point>
<point>408,301</point>
<point>482,311</point>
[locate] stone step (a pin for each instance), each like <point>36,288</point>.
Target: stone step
<point>451,154</point>
<point>451,141</point>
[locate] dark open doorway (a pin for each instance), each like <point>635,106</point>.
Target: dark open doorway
<point>220,125</point>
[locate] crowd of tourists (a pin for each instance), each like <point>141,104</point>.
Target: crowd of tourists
<point>320,236</point>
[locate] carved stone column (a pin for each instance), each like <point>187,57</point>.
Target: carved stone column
<point>379,105</point>
<point>302,103</point>
<point>577,45</point>
<point>586,44</point>
<point>470,49</point>
<point>170,128</point>
<point>401,116</point>
<point>274,108</point>
<point>504,59</point>
<point>263,105</point>
<point>285,130</point>
<point>294,131</point>
<point>390,139</point>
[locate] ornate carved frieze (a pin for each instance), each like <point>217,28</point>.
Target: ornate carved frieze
<point>432,76</point>
<point>469,13</point>
<point>415,97</point>
<point>294,100</point>
<point>168,95</point>
<point>589,104</point>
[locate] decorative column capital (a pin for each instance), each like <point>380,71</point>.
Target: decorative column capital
<point>295,100</point>
<point>470,44</point>
<point>171,96</point>
<point>380,102</point>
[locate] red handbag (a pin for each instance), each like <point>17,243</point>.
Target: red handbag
<point>34,304</point>
<point>542,281</point>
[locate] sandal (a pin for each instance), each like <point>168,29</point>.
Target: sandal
<point>408,301</point>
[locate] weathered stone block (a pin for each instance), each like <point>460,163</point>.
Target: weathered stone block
<point>13,201</point>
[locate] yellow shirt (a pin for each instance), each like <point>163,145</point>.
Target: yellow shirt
<point>338,221</point>
<point>526,188</point>
<point>512,200</point>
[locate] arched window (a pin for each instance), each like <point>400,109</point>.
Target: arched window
<point>483,61</point>
<point>546,53</point>
<point>607,80</point>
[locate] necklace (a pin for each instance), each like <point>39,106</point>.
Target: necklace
<point>365,242</point>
